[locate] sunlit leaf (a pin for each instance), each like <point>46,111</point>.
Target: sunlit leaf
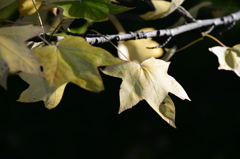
<point>228,58</point>
<point>39,90</point>
<point>148,80</point>
<point>14,54</point>
<point>92,10</point>
<point>162,9</point>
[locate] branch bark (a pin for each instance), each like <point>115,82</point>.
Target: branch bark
<point>97,39</point>
<point>226,20</point>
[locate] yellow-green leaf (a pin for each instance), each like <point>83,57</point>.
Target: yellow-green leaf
<point>162,9</point>
<point>148,80</point>
<point>39,90</point>
<point>228,58</point>
<point>74,60</point>
<point>167,111</point>
<point>14,55</point>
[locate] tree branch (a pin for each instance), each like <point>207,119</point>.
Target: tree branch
<point>97,39</point>
<point>226,20</point>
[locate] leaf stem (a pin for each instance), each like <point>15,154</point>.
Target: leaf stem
<point>213,38</point>
<point>39,17</point>
<point>112,44</point>
<point>191,43</point>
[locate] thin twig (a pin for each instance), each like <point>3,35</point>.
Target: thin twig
<point>39,17</point>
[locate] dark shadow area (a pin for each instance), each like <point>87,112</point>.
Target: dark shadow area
<point>87,125</point>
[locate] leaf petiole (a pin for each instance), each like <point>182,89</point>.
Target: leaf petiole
<point>213,38</point>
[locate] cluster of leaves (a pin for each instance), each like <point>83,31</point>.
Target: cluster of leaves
<point>47,67</point>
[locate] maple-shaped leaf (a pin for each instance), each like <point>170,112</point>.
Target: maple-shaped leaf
<point>14,55</point>
<point>92,10</point>
<point>148,80</point>
<point>228,58</point>
<point>39,90</point>
<point>162,9</point>
<point>73,60</point>
<point>136,50</point>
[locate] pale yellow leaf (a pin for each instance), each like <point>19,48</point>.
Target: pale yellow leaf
<point>148,80</point>
<point>228,58</point>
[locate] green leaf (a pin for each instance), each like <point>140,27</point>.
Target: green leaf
<point>73,60</point>
<point>228,58</point>
<point>148,80</point>
<point>92,10</point>
<point>162,9</point>
<point>40,90</point>
<point>14,54</point>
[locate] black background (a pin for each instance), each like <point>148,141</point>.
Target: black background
<point>87,125</point>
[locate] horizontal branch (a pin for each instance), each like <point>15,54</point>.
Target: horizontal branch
<point>196,24</point>
<point>226,20</point>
